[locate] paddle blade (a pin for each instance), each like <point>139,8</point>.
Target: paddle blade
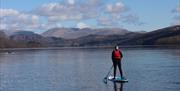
<point>105,80</point>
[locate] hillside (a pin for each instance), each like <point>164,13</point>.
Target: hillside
<point>168,35</point>
<point>73,33</point>
<point>165,36</point>
<point>27,39</point>
<point>31,39</point>
<point>103,40</point>
<point>5,42</point>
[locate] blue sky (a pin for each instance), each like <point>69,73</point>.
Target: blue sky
<point>134,15</point>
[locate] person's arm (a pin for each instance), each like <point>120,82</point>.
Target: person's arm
<point>121,54</point>
<point>112,55</point>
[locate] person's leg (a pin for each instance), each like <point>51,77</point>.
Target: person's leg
<point>115,66</point>
<point>120,68</point>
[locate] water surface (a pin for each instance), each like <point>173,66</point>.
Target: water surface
<point>148,69</point>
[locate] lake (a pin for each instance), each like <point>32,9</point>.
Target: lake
<point>83,69</point>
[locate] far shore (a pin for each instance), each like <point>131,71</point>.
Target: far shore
<point>92,47</point>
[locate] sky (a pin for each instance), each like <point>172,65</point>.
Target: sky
<point>134,15</point>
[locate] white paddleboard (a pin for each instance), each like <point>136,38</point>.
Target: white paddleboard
<point>117,79</point>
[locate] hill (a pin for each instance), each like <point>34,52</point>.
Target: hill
<point>31,39</point>
<point>5,42</point>
<point>165,36</point>
<point>27,39</point>
<point>73,33</point>
<point>169,35</point>
<point>103,40</point>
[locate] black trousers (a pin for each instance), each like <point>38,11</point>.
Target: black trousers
<point>117,62</point>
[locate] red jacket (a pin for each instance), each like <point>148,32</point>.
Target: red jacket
<point>117,54</point>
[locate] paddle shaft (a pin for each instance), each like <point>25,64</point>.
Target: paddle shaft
<point>109,72</point>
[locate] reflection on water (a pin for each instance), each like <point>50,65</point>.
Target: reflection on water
<point>118,86</point>
<point>148,69</point>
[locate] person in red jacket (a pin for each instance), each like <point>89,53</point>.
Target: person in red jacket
<point>116,59</point>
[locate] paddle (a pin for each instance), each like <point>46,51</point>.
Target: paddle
<point>105,78</point>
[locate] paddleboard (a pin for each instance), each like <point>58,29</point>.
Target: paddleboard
<point>117,79</point>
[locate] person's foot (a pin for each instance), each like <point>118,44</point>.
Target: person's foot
<point>123,77</point>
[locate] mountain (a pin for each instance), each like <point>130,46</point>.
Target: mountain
<point>5,42</point>
<point>72,33</point>
<point>25,36</point>
<point>165,36</point>
<point>27,39</point>
<point>3,39</point>
<point>2,34</point>
<point>31,39</point>
<point>56,42</point>
<point>168,36</point>
<point>103,40</point>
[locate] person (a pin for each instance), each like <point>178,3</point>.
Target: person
<point>116,59</point>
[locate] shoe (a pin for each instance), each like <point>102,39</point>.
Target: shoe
<point>113,78</point>
<point>123,77</point>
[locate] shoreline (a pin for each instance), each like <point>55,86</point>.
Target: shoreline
<point>92,47</point>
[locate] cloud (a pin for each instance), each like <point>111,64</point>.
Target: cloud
<point>115,20</point>
<point>118,7</point>
<point>3,26</point>
<point>132,19</point>
<point>12,19</point>
<point>106,21</point>
<point>176,18</point>
<point>118,12</point>
<point>71,1</point>
<point>91,9</point>
<point>8,12</point>
<point>177,9</point>
<point>51,15</point>
<point>176,22</point>
<point>60,11</point>
<point>82,25</point>
<point>94,2</point>
<point>49,25</point>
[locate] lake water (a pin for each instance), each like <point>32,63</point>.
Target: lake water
<point>83,69</point>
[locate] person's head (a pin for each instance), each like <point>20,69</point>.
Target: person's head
<point>116,47</point>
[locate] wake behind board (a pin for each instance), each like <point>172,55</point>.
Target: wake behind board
<point>117,79</point>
